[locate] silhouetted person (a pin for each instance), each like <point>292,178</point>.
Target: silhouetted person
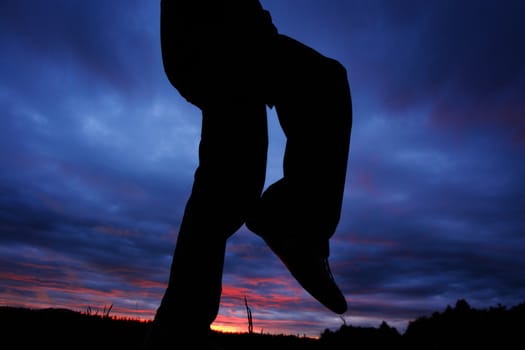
<point>228,59</point>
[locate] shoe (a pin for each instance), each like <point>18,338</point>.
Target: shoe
<point>308,264</point>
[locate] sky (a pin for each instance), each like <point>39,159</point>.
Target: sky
<point>98,151</point>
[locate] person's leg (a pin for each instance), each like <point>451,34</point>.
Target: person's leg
<point>301,211</point>
<point>228,181</point>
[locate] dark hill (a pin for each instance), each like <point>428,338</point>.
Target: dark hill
<point>66,329</point>
<point>458,327</point>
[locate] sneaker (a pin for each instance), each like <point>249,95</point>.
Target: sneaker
<point>308,264</point>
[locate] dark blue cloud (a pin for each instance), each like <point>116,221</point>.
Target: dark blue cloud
<point>460,59</point>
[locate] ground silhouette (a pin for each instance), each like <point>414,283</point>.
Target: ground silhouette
<point>457,327</point>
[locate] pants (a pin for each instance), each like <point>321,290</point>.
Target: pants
<point>312,98</point>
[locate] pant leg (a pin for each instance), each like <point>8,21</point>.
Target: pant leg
<point>313,103</point>
<point>228,181</point>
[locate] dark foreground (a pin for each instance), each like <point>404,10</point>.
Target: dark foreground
<point>459,327</point>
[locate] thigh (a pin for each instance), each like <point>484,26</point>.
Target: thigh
<point>314,107</point>
<point>214,51</point>
<point>313,104</point>
<point>309,89</point>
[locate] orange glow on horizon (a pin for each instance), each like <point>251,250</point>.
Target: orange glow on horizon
<point>227,328</point>
<point>282,295</point>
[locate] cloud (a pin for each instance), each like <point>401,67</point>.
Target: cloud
<point>465,62</point>
<point>102,40</point>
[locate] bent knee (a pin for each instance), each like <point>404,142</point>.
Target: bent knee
<point>333,71</point>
